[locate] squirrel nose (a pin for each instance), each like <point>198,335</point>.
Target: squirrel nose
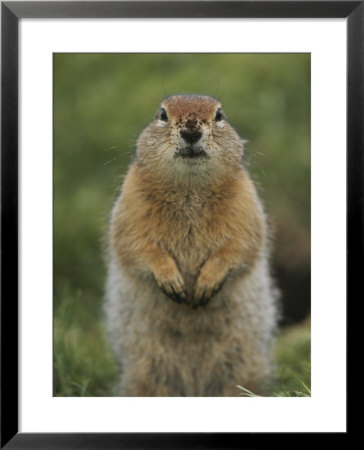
<point>191,136</point>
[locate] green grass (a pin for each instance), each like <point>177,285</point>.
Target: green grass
<point>83,363</point>
<point>101,104</point>
<point>293,361</point>
<point>292,377</point>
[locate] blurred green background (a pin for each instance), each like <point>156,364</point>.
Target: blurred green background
<point>101,104</point>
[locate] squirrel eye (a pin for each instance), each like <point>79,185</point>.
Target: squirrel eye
<point>163,115</point>
<point>219,115</point>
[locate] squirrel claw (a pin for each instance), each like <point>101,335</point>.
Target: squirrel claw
<point>204,295</point>
<point>178,297</point>
<point>205,299</point>
<point>169,289</point>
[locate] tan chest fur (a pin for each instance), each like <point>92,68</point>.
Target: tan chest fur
<point>189,223</point>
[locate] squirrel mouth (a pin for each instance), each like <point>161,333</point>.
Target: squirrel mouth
<point>190,152</point>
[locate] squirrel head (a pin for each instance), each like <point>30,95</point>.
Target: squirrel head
<point>190,138</point>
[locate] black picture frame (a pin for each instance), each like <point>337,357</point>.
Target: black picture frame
<point>11,12</point>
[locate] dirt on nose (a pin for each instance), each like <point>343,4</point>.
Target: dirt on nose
<point>191,123</point>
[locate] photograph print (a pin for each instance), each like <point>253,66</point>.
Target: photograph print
<point>181,225</point>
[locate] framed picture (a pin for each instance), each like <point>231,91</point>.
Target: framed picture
<point>80,81</point>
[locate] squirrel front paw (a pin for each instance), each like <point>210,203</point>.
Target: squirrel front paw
<point>173,287</point>
<point>203,294</point>
<point>206,287</point>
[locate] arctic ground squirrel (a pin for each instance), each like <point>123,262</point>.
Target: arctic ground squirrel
<point>190,303</point>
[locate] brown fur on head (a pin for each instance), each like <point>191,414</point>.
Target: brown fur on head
<point>189,139</point>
